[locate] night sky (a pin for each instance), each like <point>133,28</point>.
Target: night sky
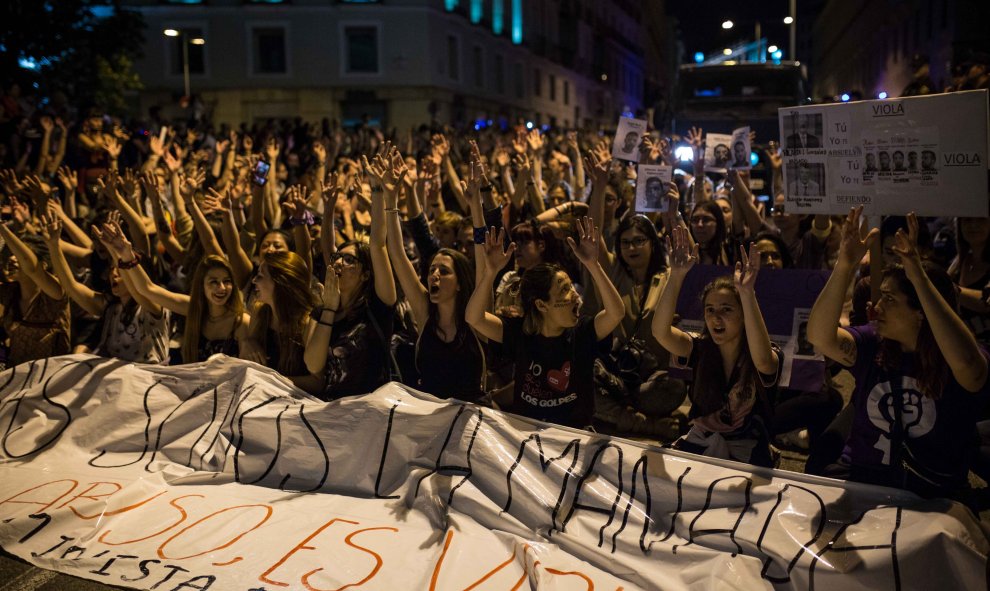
<point>701,24</point>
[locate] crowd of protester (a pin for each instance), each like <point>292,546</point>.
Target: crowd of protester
<point>503,267</point>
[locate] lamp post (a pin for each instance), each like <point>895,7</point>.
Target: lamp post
<point>185,40</point>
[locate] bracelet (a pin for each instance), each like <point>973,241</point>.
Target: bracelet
<point>479,235</point>
<point>124,265</point>
<point>321,323</point>
<point>392,210</point>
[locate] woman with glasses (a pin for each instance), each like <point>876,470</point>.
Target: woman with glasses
<point>350,342</point>
<point>553,345</point>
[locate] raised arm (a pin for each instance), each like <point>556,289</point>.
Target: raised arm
<point>742,203</point>
<point>30,265</point>
<point>598,170</point>
<point>954,339</point>
<point>318,343</point>
<point>747,268</point>
<point>683,256</point>
<point>823,324</point>
<point>89,300</point>
<point>229,204</point>
<point>586,251</point>
<point>118,245</point>
<point>696,138</point>
<point>382,178</point>
<point>476,313</point>
<point>203,228</point>
<point>300,218</point>
<point>405,271</point>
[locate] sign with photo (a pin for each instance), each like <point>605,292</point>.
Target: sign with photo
<point>926,154</point>
<point>651,187</point>
<point>628,135</point>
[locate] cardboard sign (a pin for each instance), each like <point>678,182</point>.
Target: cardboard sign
<point>926,154</point>
<point>628,135</point>
<point>650,187</point>
<point>221,475</point>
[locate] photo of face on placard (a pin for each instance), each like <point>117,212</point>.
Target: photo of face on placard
<point>740,149</point>
<point>805,179</point>
<point>628,136</point>
<point>803,131</point>
<point>718,153</point>
<point>651,187</point>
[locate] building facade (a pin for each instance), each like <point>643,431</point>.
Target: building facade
<point>867,47</point>
<point>398,63</point>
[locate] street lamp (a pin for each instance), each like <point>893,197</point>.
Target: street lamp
<point>727,24</point>
<point>185,39</point>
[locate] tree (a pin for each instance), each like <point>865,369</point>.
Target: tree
<point>83,48</point>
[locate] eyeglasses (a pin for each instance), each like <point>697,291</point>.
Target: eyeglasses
<point>347,257</point>
<point>634,243</point>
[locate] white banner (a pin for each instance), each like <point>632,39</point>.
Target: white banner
<point>222,476</point>
<point>926,154</point>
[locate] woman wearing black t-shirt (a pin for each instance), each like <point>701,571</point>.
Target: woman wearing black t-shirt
<point>354,325</point>
<point>553,345</point>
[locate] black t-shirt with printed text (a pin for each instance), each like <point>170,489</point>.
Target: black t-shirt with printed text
<point>554,375</point>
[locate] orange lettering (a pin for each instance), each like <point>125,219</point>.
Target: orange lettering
<point>118,511</point>
<point>161,549</point>
<point>486,576</point>
<point>300,546</point>
<point>43,505</point>
<point>553,571</point>
<point>174,502</point>
<point>85,494</point>
<point>347,540</point>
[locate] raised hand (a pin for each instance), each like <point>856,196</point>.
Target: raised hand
<point>46,124</point>
<point>523,165</point>
<point>51,228</point>
<point>906,246</point>
<point>440,147</point>
<point>534,141</point>
<point>586,249</point>
<point>773,155</point>
<point>112,146</point>
<point>330,192</point>
<point>571,142</point>
<point>215,201</point>
<point>129,183</point>
<point>597,168</point>
<point>172,161</point>
<point>221,147</point>
<point>320,152</point>
<point>113,238</point>
<point>68,179</point>
<point>495,258</point>
<point>156,145</point>
<point>331,289</point>
<point>192,183</point>
<point>271,149</point>
<point>296,198</point>
<point>747,268</point>
<point>20,211</point>
<point>683,251</point>
<point>855,240</point>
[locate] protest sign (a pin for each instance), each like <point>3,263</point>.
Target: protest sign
<point>650,189</point>
<point>628,135</point>
<point>926,154</point>
<point>786,297</point>
<point>221,475</point>
<point>724,151</point>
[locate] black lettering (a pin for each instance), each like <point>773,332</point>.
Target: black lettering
<point>833,547</point>
<point>45,520</point>
<point>786,576</point>
<point>53,548</point>
<point>610,512</point>
<point>173,568</point>
<point>381,464</point>
<point>573,449</point>
<point>102,571</point>
<point>143,567</point>
<point>207,581</point>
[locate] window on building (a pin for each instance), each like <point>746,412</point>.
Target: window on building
<point>567,92</point>
<point>499,74</point>
<point>197,52</point>
<point>479,67</point>
<point>453,58</point>
<point>553,87</point>
<point>361,50</point>
<point>268,50</point>
<point>537,81</point>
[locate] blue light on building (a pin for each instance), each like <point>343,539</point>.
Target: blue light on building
<point>477,10</point>
<point>882,95</point>
<point>699,57</point>
<point>753,159</point>
<point>450,4</point>
<point>845,97</point>
<point>517,22</point>
<point>498,16</point>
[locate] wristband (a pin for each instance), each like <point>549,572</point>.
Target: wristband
<point>479,235</point>
<point>486,189</point>
<point>122,265</point>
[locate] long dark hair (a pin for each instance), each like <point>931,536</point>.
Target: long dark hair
<point>711,387</point>
<point>785,253</point>
<point>963,247</point>
<point>293,302</point>
<point>536,284</point>
<point>465,284</point>
<point>363,253</point>
<point>199,309</point>
<point>715,248</point>
<point>642,223</point>
<point>934,371</point>
<point>553,251</point>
